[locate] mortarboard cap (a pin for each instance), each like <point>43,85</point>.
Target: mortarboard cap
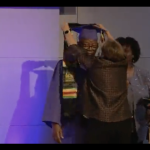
<point>86,31</point>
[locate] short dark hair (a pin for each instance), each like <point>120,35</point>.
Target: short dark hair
<point>121,40</point>
<point>135,47</point>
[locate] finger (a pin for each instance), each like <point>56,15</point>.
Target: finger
<point>59,140</point>
<point>56,137</point>
<point>101,27</point>
<point>97,26</point>
<point>61,134</point>
<point>64,24</point>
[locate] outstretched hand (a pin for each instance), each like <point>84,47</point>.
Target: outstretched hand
<point>100,26</point>
<point>65,26</point>
<point>102,35</point>
<point>107,33</point>
<point>57,133</point>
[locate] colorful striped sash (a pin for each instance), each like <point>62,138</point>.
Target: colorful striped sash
<point>69,83</point>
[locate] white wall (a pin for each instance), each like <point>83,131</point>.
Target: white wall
<point>29,41</point>
<point>122,21</point>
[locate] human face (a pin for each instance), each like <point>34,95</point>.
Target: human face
<point>128,52</point>
<point>89,45</point>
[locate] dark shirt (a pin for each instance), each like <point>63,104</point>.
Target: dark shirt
<point>104,95</point>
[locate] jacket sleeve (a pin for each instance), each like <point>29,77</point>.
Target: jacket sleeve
<point>147,77</point>
<point>52,110</point>
<point>76,54</point>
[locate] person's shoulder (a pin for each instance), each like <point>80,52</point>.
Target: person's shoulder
<point>137,68</point>
<point>60,62</point>
<point>141,70</point>
<point>124,62</point>
<point>59,65</point>
<point>110,62</point>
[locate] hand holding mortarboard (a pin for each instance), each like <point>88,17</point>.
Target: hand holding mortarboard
<point>102,38</point>
<point>86,31</point>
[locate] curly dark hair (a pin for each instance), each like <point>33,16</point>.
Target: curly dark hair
<point>121,40</point>
<point>135,48</point>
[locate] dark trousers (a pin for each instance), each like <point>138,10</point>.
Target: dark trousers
<point>134,138</point>
<point>134,135</point>
<point>108,133</point>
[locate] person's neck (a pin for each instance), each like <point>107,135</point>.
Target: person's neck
<point>130,66</point>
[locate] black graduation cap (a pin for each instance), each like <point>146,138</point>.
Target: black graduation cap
<point>79,27</point>
<point>85,31</point>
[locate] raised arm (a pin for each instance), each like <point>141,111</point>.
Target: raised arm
<point>107,33</point>
<point>67,33</point>
<point>75,53</point>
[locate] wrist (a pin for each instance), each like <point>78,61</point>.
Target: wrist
<point>66,29</point>
<point>54,124</point>
<point>109,35</point>
<point>67,32</point>
<point>107,32</point>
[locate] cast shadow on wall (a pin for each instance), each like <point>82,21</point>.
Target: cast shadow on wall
<point>26,124</point>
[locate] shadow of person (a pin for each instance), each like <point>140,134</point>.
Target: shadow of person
<point>26,125</point>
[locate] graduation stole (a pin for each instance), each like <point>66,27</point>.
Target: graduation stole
<point>69,83</point>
